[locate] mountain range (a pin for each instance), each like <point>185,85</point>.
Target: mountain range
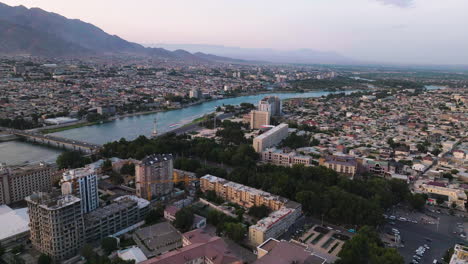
<point>33,31</point>
<point>306,56</point>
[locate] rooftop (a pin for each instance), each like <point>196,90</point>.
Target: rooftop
<point>13,221</point>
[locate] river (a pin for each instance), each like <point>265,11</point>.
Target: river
<point>15,152</point>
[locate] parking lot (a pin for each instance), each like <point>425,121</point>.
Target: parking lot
<point>439,237</point>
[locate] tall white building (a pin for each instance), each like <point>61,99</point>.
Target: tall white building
<point>83,183</point>
<point>271,104</point>
<point>270,138</point>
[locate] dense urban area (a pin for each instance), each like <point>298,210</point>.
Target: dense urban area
<point>373,171</point>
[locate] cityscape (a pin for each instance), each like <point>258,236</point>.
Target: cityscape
<point>120,152</point>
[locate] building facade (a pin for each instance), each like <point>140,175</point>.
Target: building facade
<point>449,195</point>
<point>82,183</point>
<point>56,224</point>
<point>258,119</point>
<point>270,138</point>
<point>284,213</point>
<point>16,183</point>
<point>123,213</point>
<point>284,158</point>
<point>342,164</point>
<point>154,176</point>
<point>271,104</point>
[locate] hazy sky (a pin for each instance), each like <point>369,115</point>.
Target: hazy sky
<point>407,31</point>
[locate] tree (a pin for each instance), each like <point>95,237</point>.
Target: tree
<point>2,250</point>
<point>417,201</point>
<point>44,259</point>
<point>87,251</point>
<point>128,169</point>
<point>259,212</point>
<point>109,244</point>
<point>107,165</point>
<point>184,219</point>
<point>235,231</point>
<point>71,160</point>
<point>155,215</point>
<point>366,247</point>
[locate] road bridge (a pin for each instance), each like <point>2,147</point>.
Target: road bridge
<point>54,141</point>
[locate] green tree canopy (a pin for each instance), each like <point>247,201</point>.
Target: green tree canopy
<point>184,219</point>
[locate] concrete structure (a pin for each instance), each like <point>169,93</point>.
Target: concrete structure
<point>123,213</point>
<point>199,248</point>
<point>158,239</point>
<point>342,164</point>
<point>460,255</point>
<point>60,120</point>
<point>154,174</point>
<point>273,251</point>
<point>274,224</point>
<point>56,224</point>
<point>195,93</point>
<point>132,253</point>
<point>16,183</point>
<point>55,141</point>
<point>270,138</point>
<point>83,184</point>
<point>271,104</point>
<point>449,195</point>
<point>258,119</point>
<point>284,213</point>
<point>14,228</point>
<point>284,158</point>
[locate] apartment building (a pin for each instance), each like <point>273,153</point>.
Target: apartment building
<point>284,213</point>
<point>16,183</point>
<point>56,224</point>
<point>275,224</point>
<point>258,119</point>
<point>271,104</point>
<point>449,195</point>
<point>242,195</point>
<point>123,213</point>
<point>342,164</point>
<point>270,138</point>
<point>284,158</point>
<point>154,176</point>
<point>82,183</point>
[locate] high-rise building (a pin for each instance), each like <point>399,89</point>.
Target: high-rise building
<point>154,176</point>
<point>270,138</point>
<point>195,93</point>
<point>82,183</point>
<point>16,183</point>
<point>259,119</point>
<point>271,104</point>
<point>56,224</point>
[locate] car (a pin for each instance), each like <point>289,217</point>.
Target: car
<point>402,219</point>
<point>426,246</point>
<point>420,254</point>
<point>392,217</point>
<point>417,257</point>
<point>415,261</point>
<point>392,223</point>
<point>462,235</point>
<point>428,239</point>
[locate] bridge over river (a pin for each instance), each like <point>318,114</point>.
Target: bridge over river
<point>55,141</point>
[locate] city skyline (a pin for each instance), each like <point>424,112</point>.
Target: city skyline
<point>368,31</point>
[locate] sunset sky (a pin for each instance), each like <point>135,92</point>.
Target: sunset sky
<point>401,31</point>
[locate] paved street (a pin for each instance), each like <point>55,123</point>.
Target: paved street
<point>415,235</point>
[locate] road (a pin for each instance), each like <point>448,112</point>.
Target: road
<point>415,235</point>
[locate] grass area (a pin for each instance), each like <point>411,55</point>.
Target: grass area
<point>334,247</point>
<point>317,239</point>
<point>308,237</point>
<point>328,243</point>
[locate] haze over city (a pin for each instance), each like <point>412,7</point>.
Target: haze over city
<point>367,31</point>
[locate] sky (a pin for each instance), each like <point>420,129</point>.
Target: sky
<point>393,31</point>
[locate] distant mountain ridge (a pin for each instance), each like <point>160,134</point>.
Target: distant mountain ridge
<point>36,32</point>
<point>306,56</point>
